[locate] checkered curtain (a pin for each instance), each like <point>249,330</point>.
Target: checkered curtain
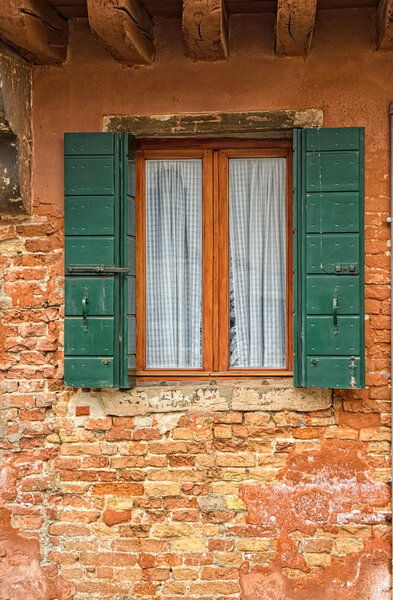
<point>257,208</point>
<point>174,263</point>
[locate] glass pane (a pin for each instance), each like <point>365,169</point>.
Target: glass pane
<point>174,263</point>
<point>257,249</point>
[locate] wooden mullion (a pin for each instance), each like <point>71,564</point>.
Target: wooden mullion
<point>216,264</point>
<point>207,266</point>
<point>222,222</point>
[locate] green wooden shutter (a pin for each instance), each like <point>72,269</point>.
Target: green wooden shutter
<point>128,369</point>
<point>96,265</point>
<point>328,257</point>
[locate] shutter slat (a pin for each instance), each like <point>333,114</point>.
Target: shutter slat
<point>328,258</point>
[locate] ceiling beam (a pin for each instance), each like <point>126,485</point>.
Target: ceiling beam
<point>294,26</point>
<point>385,25</point>
<point>125,28</point>
<point>35,29</point>
<point>205,29</point>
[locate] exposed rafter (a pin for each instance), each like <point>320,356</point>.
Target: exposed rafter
<point>385,25</point>
<point>125,28</point>
<point>295,26</point>
<point>205,29</point>
<point>35,29</point>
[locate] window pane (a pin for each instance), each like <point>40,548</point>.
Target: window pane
<point>174,263</point>
<point>257,230</point>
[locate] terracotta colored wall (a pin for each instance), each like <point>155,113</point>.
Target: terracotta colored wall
<point>211,493</point>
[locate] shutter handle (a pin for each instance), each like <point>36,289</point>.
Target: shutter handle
<point>84,312</point>
<point>335,312</point>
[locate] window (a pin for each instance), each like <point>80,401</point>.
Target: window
<point>213,255</point>
<point>227,306</point>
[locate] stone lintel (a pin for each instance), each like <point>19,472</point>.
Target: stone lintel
<point>270,123</point>
<point>204,398</point>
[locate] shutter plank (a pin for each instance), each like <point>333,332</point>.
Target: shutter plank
<point>322,337</point>
<point>329,269</point>
<point>328,253</point>
<point>333,372</point>
<point>83,144</point>
<point>85,250</point>
<point>321,290</point>
<point>99,292</point>
<point>87,338</point>
<point>89,215</point>
<point>332,212</point>
<point>332,171</point>
<point>90,372</point>
<point>89,175</point>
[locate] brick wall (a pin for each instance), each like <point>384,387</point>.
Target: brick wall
<point>254,491</point>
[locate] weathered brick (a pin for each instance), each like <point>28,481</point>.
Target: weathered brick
<point>188,544</point>
<point>118,489</point>
<point>160,489</point>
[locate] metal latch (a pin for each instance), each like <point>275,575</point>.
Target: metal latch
<point>100,269</point>
<point>345,268</point>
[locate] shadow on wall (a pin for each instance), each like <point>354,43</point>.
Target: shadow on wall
<point>15,133</point>
<point>10,198</point>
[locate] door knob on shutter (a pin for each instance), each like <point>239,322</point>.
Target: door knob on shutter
<point>84,313</point>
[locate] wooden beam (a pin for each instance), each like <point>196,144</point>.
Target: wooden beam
<point>385,25</point>
<point>295,26</point>
<point>125,28</point>
<point>35,29</point>
<point>205,29</point>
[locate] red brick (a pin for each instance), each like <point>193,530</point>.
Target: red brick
<point>103,424</point>
<point>118,489</point>
<point>146,434</point>
<point>113,517</point>
<point>37,414</point>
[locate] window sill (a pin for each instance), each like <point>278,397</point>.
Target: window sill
<point>204,397</point>
<point>188,376</point>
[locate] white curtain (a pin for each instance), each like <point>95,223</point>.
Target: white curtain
<point>257,209</point>
<point>174,263</point>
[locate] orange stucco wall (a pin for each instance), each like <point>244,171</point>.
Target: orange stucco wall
<point>343,75</point>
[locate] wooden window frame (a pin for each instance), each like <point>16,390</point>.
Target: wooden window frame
<point>215,154</point>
